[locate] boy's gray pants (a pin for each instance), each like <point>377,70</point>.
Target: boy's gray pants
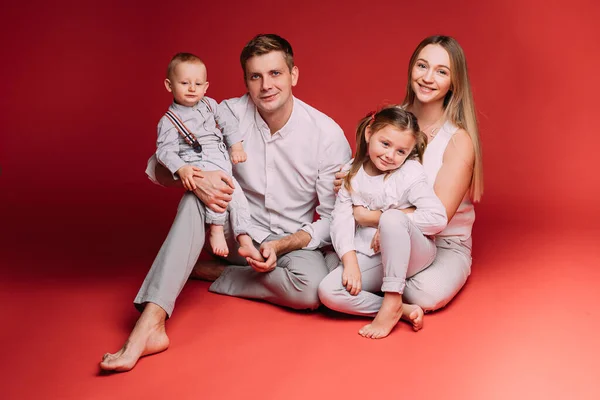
<point>293,283</point>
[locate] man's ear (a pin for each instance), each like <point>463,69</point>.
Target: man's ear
<point>295,72</point>
<point>168,85</point>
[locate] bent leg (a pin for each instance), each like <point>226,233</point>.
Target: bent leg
<point>293,283</point>
<point>334,295</point>
<point>405,251</point>
<point>436,285</point>
<point>161,287</point>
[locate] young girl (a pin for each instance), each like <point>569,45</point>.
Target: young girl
<point>386,175</point>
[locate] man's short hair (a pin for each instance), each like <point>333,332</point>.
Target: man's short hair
<point>181,58</point>
<point>266,43</point>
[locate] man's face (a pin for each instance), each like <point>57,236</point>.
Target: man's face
<point>270,81</point>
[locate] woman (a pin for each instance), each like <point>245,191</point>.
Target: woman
<point>438,93</point>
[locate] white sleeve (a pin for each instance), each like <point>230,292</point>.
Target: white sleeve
<point>430,214</point>
<point>343,225</point>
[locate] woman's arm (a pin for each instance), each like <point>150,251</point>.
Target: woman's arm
<point>454,178</point>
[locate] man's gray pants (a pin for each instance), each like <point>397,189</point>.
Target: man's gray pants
<point>293,283</point>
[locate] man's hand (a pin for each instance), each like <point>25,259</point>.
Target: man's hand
<point>214,189</point>
<point>238,155</point>
<point>269,252</point>
<point>187,174</point>
<point>366,217</point>
<point>351,277</point>
<point>339,179</point>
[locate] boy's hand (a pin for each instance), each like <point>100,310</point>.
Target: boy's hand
<point>187,174</point>
<point>351,277</point>
<point>238,155</point>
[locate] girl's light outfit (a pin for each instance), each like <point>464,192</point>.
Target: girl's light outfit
<point>406,245</point>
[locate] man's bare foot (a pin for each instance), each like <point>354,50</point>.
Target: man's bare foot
<point>217,241</point>
<point>247,249</point>
<point>148,337</point>
<point>386,319</point>
<point>413,314</point>
<point>207,270</point>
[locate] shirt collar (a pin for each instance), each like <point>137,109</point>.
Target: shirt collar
<point>182,109</point>
<point>285,130</point>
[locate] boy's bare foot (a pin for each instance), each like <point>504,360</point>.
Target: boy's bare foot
<point>247,249</point>
<point>148,337</point>
<point>388,316</point>
<point>413,314</point>
<point>217,241</point>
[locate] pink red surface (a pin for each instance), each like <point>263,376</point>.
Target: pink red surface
<point>82,93</point>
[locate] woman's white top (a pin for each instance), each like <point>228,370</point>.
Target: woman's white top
<point>462,221</point>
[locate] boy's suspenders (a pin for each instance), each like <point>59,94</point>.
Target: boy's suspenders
<point>189,137</point>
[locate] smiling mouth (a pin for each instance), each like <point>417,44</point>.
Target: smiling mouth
<point>269,97</point>
<point>425,87</point>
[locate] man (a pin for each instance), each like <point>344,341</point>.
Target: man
<point>293,152</point>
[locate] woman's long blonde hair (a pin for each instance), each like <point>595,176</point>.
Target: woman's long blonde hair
<point>459,107</point>
<point>395,116</point>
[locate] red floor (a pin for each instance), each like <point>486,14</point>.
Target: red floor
<point>524,327</point>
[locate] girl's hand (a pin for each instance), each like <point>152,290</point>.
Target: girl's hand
<point>366,217</point>
<point>375,245</point>
<point>351,278</point>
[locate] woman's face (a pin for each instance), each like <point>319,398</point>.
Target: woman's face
<point>431,78</point>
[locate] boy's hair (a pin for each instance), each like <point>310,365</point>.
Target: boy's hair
<point>266,43</point>
<point>181,58</point>
<point>395,116</point>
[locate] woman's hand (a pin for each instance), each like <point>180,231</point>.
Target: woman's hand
<point>366,217</point>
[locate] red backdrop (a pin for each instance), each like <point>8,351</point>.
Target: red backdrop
<point>83,93</point>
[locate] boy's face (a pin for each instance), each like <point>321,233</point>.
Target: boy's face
<point>270,81</point>
<point>188,83</point>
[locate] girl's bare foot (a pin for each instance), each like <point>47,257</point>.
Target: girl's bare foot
<point>247,249</point>
<point>388,316</point>
<point>217,241</point>
<point>413,314</point>
<point>148,337</point>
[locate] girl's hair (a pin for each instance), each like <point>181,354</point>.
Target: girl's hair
<point>395,116</point>
<point>459,107</point>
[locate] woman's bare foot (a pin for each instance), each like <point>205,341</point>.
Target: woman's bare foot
<point>217,241</point>
<point>148,337</point>
<point>386,319</point>
<point>413,314</point>
<point>247,249</point>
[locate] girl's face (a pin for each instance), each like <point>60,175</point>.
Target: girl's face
<point>388,148</point>
<point>430,76</point>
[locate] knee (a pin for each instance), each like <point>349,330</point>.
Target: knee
<point>392,220</point>
<point>303,291</point>
<point>331,292</point>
